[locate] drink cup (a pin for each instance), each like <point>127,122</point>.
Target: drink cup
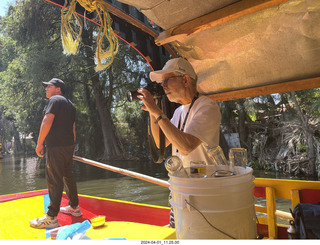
<point>217,155</point>
<point>198,169</point>
<point>238,157</point>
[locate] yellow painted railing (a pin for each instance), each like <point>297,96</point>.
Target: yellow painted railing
<point>274,188</point>
<point>280,188</point>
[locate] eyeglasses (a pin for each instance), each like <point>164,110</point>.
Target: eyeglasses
<point>165,81</point>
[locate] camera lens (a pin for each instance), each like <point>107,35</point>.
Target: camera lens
<point>132,95</point>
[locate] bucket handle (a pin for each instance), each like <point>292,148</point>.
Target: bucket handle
<point>184,200</point>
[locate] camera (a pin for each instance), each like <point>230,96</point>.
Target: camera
<point>154,88</point>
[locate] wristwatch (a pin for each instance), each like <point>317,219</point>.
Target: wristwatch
<point>162,116</point>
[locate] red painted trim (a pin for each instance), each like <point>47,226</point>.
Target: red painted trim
<point>282,231</point>
<point>311,196</point>
<point>114,33</point>
<point>124,211</point>
<point>17,196</point>
<point>114,210</point>
<point>259,191</point>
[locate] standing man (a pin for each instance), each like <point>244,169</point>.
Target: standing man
<point>58,131</point>
<point>195,125</point>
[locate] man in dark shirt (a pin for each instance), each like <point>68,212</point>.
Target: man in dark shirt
<point>58,131</point>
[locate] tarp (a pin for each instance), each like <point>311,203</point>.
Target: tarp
<point>274,45</point>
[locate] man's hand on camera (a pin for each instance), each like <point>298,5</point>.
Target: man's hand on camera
<point>149,103</point>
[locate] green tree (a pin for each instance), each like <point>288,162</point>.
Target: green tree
<point>33,53</point>
<point>30,55</point>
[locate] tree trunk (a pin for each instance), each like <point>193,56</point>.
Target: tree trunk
<point>111,148</point>
<point>17,148</point>
<point>93,144</point>
<point>243,134</point>
<point>311,169</point>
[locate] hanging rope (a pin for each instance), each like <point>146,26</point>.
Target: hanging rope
<point>69,36</point>
<point>105,52</point>
<point>105,57</point>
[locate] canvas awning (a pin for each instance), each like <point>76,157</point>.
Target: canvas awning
<point>253,47</point>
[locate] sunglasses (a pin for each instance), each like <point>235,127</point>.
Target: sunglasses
<point>165,81</point>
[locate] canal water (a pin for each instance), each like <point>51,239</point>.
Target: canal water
<point>21,174</point>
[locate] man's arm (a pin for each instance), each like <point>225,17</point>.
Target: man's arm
<point>44,130</point>
<point>184,142</point>
<point>155,129</point>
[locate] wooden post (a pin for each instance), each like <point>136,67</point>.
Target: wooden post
<point>271,211</point>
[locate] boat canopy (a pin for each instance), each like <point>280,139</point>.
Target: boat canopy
<point>242,48</point>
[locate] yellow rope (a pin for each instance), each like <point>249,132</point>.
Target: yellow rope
<point>88,5</point>
<point>104,57</point>
<point>70,40</point>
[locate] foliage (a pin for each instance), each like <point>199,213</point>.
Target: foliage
<point>253,164</point>
<point>302,147</point>
<point>274,129</point>
<point>28,59</point>
<point>131,74</point>
<point>31,52</point>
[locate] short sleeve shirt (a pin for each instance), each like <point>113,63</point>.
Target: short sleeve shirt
<point>203,122</point>
<point>61,132</point>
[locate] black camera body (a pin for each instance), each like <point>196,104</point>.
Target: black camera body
<point>154,88</point>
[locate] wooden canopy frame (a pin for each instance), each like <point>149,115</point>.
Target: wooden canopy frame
<point>218,17</point>
<point>267,89</point>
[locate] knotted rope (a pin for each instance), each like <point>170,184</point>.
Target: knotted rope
<point>71,33</point>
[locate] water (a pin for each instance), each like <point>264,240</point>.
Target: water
<point>19,174</point>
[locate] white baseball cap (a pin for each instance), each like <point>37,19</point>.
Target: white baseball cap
<point>178,66</point>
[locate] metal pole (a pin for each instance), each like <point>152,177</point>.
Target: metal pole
<point>123,171</point>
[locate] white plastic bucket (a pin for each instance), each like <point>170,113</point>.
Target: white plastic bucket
<point>227,203</point>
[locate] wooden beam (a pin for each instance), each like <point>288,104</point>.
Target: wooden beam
<point>283,187</point>
<point>267,89</point>
<point>218,17</point>
<point>123,171</point>
<point>137,24</point>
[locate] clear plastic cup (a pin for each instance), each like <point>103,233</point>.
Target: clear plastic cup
<point>238,157</point>
<point>198,169</point>
<point>217,155</point>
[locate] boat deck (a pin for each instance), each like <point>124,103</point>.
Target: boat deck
<point>18,209</point>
